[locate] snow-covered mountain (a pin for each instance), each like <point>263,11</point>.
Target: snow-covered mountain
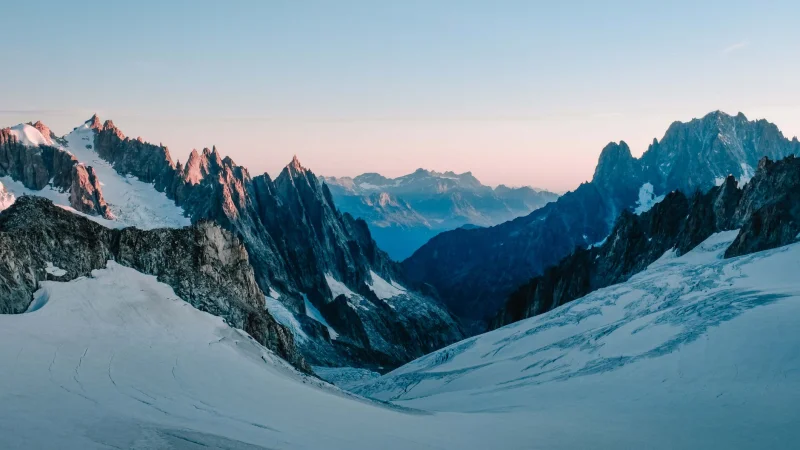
<point>405,212</point>
<point>765,208</point>
<point>300,246</point>
<point>697,351</point>
<point>118,360</point>
<point>475,270</point>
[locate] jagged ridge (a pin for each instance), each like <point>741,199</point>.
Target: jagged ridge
<point>475,270</point>
<point>767,210</point>
<point>205,265</point>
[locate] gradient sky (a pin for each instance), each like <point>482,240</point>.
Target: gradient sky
<point>518,92</point>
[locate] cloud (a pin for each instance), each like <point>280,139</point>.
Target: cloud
<point>735,47</point>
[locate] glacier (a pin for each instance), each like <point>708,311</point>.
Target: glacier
<point>695,352</point>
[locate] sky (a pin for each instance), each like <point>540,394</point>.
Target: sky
<point>517,92</point>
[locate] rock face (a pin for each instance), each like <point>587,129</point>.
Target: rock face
<point>39,166</point>
<point>297,241</point>
<point>766,210</point>
<point>85,194</point>
<point>474,271</point>
<point>205,265</point>
<point>405,212</point>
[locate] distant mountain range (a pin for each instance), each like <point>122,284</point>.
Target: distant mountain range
<point>405,212</point>
<point>475,270</point>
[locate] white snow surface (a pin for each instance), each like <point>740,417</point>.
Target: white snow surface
<point>695,352</point>
<point>133,202</point>
<point>6,198</point>
<point>313,312</point>
<point>54,270</point>
<point>16,189</point>
<point>285,317</point>
<point>337,287</point>
<point>747,174</point>
<point>383,289</point>
<point>116,360</point>
<point>345,377</point>
<point>647,198</point>
<point>29,136</point>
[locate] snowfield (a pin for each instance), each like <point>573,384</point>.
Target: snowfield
<point>118,361</point>
<point>695,352</point>
<point>132,202</point>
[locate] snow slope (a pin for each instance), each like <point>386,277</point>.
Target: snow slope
<point>133,202</point>
<point>383,289</point>
<point>695,352</point>
<point>118,361</point>
<point>29,136</point>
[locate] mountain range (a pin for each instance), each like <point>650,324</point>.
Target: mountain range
<point>315,270</point>
<point>403,213</point>
<point>475,270</point>
<point>149,303</point>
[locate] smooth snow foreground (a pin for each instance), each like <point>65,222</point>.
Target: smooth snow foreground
<point>695,352</point>
<point>118,361</point>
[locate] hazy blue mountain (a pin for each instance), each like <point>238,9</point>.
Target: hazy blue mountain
<point>404,213</point>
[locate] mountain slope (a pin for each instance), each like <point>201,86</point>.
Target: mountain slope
<point>697,351</point>
<point>295,237</point>
<point>205,265</point>
<point>765,209</point>
<point>475,270</point>
<point>115,360</point>
<point>405,212</point>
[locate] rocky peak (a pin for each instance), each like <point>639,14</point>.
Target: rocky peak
<point>766,210</point>
<point>206,266</point>
<point>94,123</point>
<point>45,130</point>
<point>295,167</point>
<point>85,193</point>
<point>614,155</point>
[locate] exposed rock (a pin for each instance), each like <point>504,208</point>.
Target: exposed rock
<point>767,210</point>
<point>85,193</point>
<point>45,130</point>
<point>36,167</point>
<point>294,236</point>
<point>474,271</point>
<point>205,265</point>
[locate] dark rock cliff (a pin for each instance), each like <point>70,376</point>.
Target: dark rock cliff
<point>474,271</point>
<point>766,210</point>
<point>295,238</point>
<point>36,167</point>
<point>205,265</point>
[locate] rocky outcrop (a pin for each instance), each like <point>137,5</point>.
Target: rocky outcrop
<point>295,239</point>
<point>43,165</point>
<point>474,271</point>
<point>85,194</point>
<point>205,265</point>
<point>767,211</point>
<point>45,131</point>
